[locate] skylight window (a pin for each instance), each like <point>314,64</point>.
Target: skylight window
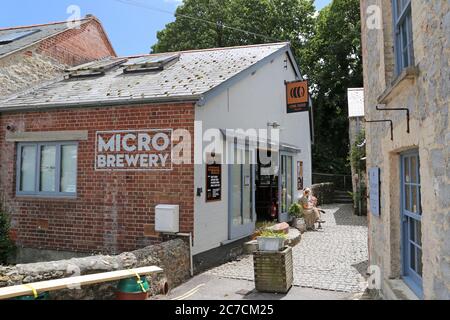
<point>95,68</point>
<point>150,63</point>
<point>14,36</point>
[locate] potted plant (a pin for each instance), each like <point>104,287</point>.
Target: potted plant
<point>271,241</point>
<point>296,213</point>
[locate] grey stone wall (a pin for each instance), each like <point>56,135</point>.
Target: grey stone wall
<point>426,92</point>
<point>324,192</point>
<point>172,256</point>
<point>26,69</point>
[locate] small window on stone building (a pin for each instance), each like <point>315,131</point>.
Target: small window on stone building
<point>47,169</point>
<point>404,49</point>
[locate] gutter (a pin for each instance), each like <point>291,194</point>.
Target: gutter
<point>102,103</point>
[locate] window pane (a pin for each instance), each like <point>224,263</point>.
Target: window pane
<point>247,192</point>
<point>407,197</point>
<point>418,236</point>
<point>419,261</point>
<point>289,181</point>
<point>283,185</point>
<point>404,32</point>
<point>414,199</point>
<point>28,169</point>
<point>237,190</point>
<point>68,168</point>
<point>48,169</point>
<point>412,232</point>
<point>406,170</point>
<point>412,258</point>
<point>414,170</point>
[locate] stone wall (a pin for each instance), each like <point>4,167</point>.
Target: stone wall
<point>172,256</point>
<point>324,192</point>
<point>47,59</point>
<point>425,91</point>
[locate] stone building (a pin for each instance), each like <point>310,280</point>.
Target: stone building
<point>30,55</point>
<point>406,50</point>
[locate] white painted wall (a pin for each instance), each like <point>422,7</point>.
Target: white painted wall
<point>249,103</point>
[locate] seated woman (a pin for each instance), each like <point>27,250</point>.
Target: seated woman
<point>311,213</point>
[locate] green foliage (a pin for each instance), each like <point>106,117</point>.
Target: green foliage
<point>357,153</point>
<point>6,245</point>
<point>219,23</point>
<point>333,64</point>
<point>327,47</point>
<point>272,234</point>
<point>295,210</point>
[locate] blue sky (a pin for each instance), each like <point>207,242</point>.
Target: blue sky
<point>131,29</point>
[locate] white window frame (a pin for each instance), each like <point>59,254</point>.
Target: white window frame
<point>36,192</point>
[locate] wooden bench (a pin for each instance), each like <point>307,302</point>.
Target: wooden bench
<point>71,282</point>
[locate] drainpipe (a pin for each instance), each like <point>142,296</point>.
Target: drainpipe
<point>190,249</point>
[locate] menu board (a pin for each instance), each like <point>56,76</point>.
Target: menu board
<point>213,182</point>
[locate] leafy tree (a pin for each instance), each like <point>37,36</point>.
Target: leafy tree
<point>334,63</point>
<point>327,47</point>
<point>203,24</point>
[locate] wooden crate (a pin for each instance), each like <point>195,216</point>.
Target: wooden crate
<point>274,271</point>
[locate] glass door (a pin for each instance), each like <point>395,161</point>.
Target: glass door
<point>411,221</point>
<point>242,195</point>
<point>286,189</point>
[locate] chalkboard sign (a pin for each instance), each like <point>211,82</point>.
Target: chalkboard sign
<point>374,194</point>
<point>213,182</point>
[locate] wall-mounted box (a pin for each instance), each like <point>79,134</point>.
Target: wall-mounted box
<point>167,218</point>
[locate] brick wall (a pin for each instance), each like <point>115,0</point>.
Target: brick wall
<point>48,59</point>
<point>114,211</point>
<point>77,46</point>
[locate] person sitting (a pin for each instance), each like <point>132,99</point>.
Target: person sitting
<point>311,212</point>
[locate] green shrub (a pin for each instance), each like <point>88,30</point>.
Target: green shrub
<point>272,234</point>
<point>6,245</point>
<point>295,210</point>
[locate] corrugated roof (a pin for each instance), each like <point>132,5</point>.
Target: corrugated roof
<point>194,74</point>
<point>41,32</point>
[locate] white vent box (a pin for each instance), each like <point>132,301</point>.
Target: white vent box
<point>167,218</point>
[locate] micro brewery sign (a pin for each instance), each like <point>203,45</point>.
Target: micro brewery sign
<point>134,150</point>
<point>297,96</point>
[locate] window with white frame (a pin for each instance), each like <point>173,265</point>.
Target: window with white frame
<point>404,49</point>
<point>47,169</point>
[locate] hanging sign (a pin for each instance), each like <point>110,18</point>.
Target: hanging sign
<point>374,194</point>
<point>213,182</point>
<point>299,175</point>
<point>297,96</point>
<point>132,150</point>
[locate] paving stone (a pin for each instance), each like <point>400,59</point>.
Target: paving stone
<point>333,259</point>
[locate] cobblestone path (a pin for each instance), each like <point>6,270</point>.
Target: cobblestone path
<point>334,258</point>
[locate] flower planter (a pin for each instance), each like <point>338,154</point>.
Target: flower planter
<point>274,271</point>
<point>271,244</point>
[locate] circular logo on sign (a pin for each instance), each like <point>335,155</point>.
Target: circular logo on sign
<point>297,92</point>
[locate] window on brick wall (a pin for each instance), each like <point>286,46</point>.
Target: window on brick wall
<point>47,169</point>
<point>404,49</point>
